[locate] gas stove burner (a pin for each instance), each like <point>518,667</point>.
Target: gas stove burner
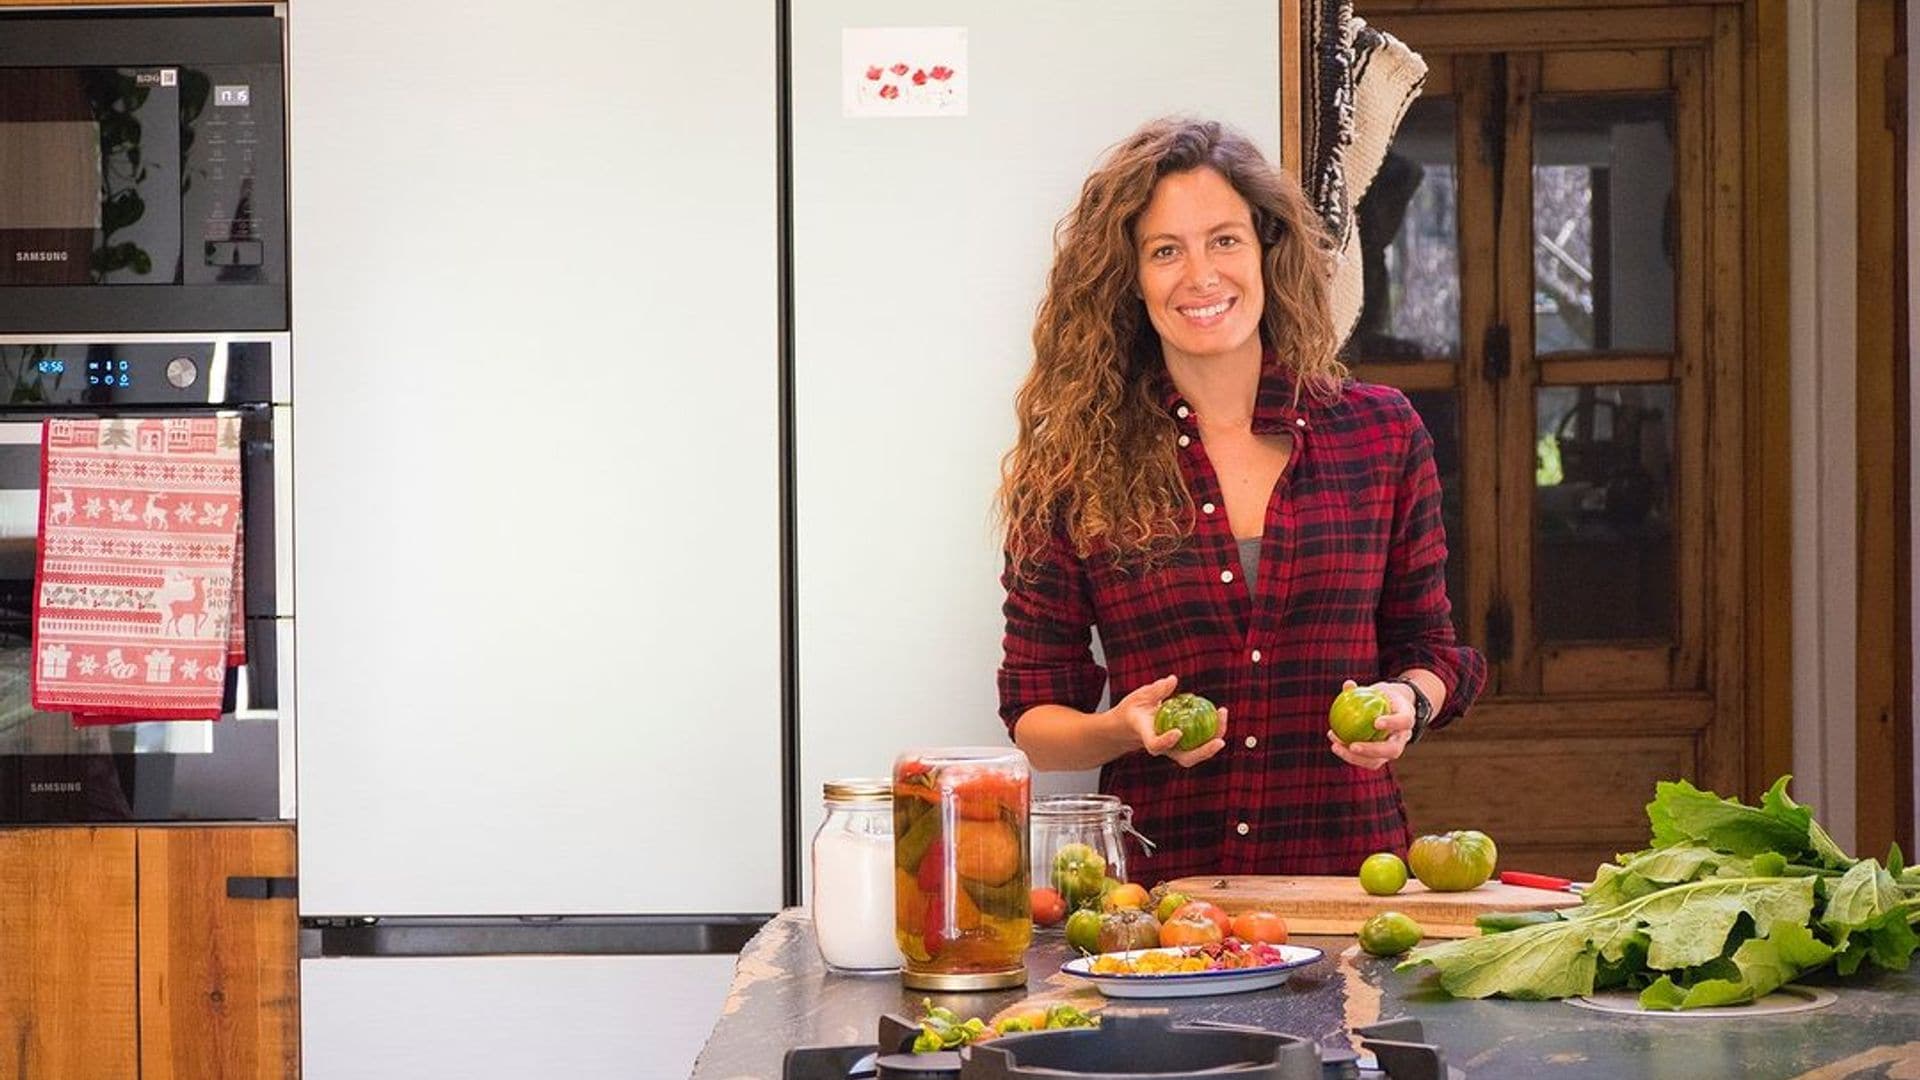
<point>1133,1042</point>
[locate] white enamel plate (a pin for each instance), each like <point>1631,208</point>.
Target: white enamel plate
<point>1191,983</point>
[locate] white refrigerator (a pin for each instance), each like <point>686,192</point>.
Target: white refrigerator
<point>651,407</point>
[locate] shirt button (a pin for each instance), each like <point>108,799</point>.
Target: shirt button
<point>1183,440</point>
<point>1206,508</point>
<point>1256,656</point>
<point>1226,575</point>
<point>1243,828</point>
<point>1252,742</point>
<point>1182,412</point>
<point>1300,423</point>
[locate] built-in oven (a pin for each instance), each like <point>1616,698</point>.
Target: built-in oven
<point>143,171</point>
<point>239,767</point>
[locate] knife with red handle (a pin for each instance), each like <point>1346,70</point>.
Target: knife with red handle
<point>1536,881</point>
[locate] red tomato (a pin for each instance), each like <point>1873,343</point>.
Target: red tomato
<point>1260,926</point>
<point>1211,911</point>
<point>981,795</point>
<point>1049,907</point>
<point>1191,928</point>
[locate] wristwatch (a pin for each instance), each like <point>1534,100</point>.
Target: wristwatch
<point>1422,708</point>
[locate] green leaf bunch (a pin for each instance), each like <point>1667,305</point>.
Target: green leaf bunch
<point>1727,904</point>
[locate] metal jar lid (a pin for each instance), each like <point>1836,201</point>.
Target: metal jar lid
<point>861,790</point>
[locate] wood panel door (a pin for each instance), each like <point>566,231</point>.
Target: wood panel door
<point>1554,277</point>
<point>69,1004</point>
<point>219,976</point>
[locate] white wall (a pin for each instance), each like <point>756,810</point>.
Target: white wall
<point>508,1018</point>
<point>534,332</point>
<point>920,252</point>
<point>1822,223</point>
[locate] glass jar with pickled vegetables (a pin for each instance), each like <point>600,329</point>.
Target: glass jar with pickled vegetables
<point>1079,850</point>
<point>962,917</point>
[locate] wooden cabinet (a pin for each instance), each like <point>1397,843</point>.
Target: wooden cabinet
<point>123,956</point>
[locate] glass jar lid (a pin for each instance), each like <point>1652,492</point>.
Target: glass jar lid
<point>861,790</point>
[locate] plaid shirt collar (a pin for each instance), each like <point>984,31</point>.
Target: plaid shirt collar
<point>1274,406</point>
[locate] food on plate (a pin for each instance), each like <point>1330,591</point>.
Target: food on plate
<point>1229,954</point>
<point>1128,929</point>
<point>1390,933</point>
<point>1128,895</point>
<point>1049,907</point>
<point>1083,930</point>
<point>1353,712</point>
<point>1262,926</point>
<point>1196,718</point>
<point>1453,862</point>
<point>1189,927</point>
<point>1079,872</point>
<point>1383,874</point>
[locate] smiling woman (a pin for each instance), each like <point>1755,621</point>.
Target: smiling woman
<point>1186,423</point>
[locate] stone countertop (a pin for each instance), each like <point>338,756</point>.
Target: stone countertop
<point>783,996</point>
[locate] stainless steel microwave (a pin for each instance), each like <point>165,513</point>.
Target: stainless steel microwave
<point>236,768</point>
<point>143,172</point>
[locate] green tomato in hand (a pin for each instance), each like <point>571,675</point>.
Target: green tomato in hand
<point>1195,716</point>
<point>1354,712</point>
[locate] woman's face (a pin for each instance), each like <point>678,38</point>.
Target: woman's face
<point>1200,266</point>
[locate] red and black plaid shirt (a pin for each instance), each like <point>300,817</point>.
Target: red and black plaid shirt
<point>1352,585</point>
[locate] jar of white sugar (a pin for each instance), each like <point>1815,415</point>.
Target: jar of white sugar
<point>853,888</point>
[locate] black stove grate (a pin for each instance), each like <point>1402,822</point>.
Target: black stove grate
<point>1133,1043</point>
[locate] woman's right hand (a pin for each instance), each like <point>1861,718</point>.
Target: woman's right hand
<point>1135,712</point>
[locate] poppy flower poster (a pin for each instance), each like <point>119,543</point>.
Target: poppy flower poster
<point>903,71</point>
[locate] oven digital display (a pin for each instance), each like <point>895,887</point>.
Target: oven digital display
<point>51,367</point>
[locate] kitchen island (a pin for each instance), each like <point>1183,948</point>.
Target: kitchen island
<point>784,997</point>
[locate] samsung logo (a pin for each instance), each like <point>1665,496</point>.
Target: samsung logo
<point>54,787</point>
<point>39,256</point>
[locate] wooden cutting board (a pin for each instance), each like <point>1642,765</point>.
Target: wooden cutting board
<point>1338,905</point>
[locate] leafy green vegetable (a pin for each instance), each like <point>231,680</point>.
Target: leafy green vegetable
<point>1729,903</point>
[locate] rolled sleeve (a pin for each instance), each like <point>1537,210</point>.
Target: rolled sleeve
<point>1415,620</point>
<point>1047,652</point>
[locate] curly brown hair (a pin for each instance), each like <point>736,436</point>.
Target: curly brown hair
<point>1096,448</point>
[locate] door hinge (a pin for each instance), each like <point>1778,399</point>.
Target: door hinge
<point>1499,632</point>
<point>263,888</point>
<point>1496,350</point>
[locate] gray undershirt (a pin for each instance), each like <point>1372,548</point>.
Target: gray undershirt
<point>1249,561</point>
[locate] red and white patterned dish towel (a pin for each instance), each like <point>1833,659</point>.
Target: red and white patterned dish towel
<point>137,594</point>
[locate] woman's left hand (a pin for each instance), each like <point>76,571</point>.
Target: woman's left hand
<point>1398,724</point>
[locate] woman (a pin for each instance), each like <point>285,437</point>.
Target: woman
<point>1196,478</point>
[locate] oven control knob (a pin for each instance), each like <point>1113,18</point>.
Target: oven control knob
<point>181,371</point>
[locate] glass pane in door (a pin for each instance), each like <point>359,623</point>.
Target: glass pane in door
<point>1603,223</point>
<point>1410,244</point>
<point>1603,518</point>
<point>1440,411</point>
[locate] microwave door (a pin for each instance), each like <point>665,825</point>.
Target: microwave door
<point>50,159</point>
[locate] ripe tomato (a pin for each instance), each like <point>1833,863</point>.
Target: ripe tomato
<point>980,794</point>
<point>1049,906</point>
<point>1260,926</point>
<point>1211,911</point>
<point>1129,895</point>
<point>1190,928</point>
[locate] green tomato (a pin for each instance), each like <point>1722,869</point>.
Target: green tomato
<point>1170,903</point>
<point>1383,874</point>
<point>1079,872</point>
<point>1354,712</point>
<point>1195,716</point>
<point>1083,930</point>
<point>1389,934</point>
<point>1453,862</point>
